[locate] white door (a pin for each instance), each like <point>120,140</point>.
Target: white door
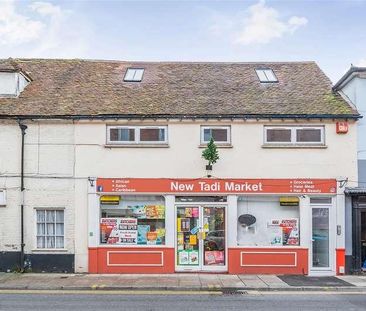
<point>201,238</point>
<point>322,243</point>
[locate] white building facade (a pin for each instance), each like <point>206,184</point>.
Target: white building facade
<point>352,86</point>
<point>129,193</point>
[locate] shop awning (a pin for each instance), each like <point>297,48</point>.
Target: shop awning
<point>355,191</point>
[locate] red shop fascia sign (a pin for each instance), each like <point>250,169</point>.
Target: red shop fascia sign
<point>215,185</point>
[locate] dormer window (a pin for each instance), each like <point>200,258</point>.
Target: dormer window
<point>134,75</point>
<point>12,84</point>
<point>266,75</point>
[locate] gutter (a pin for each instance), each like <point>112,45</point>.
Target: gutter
<point>23,128</point>
<point>350,71</point>
<point>182,116</point>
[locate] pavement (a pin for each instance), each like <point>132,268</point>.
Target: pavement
<point>178,282</point>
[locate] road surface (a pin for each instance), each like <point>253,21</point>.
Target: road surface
<point>179,301</point>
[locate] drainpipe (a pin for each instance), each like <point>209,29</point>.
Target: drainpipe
<point>23,127</point>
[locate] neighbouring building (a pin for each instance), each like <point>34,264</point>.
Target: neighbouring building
<point>352,86</point>
<point>101,167</point>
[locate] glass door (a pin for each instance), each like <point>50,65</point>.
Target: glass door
<point>214,237</point>
<point>188,253</point>
<point>200,238</point>
<point>320,238</point>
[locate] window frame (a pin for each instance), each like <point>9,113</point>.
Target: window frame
<point>247,203</point>
<point>227,127</point>
<point>135,69</point>
<point>38,209</point>
<point>2,197</point>
<point>294,141</point>
<point>138,198</point>
<point>137,140</point>
<point>264,69</point>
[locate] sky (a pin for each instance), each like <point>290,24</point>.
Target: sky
<point>332,33</point>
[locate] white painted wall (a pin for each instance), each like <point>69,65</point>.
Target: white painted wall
<point>355,90</point>
<point>246,158</point>
<point>49,181</point>
<point>60,156</point>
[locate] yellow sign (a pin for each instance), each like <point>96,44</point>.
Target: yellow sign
<point>193,239</point>
<point>110,199</point>
<point>179,225</point>
<point>289,201</point>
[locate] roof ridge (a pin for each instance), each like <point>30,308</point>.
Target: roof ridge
<point>161,61</point>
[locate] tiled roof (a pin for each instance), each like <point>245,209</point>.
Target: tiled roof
<point>73,88</point>
<point>8,65</point>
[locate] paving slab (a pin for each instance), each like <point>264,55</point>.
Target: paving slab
<point>252,281</point>
<point>210,280</point>
<point>189,280</point>
<point>272,280</point>
<point>231,281</point>
<point>356,280</point>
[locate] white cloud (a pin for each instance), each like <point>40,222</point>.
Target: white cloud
<point>16,28</point>
<point>361,63</point>
<point>41,29</point>
<point>258,24</point>
<point>45,8</point>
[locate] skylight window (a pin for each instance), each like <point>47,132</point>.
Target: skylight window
<point>266,75</point>
<point>134,75</point>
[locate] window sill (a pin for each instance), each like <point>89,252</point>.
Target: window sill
<point>223,146</point>
<point>286,146</point>
<point>50,250</point>
<point>136,146</point>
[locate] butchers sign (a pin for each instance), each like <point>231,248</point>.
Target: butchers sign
<point>167,185</point>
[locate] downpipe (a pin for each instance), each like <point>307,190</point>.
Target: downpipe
<point>23,128</point>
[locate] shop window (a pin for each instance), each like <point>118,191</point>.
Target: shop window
<point>137,135</point>
<point>295,135</point>
<point>132,220</point>
<point>50,229</point>
<point>220,134</point>
<point>264,221</point>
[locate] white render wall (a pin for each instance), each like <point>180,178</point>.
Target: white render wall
<point>247,158</point>
<point>60,156</point>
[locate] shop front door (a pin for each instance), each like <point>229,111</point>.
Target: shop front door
<point>321,255</point>
<point>359,239</point>
<point>201,238</point>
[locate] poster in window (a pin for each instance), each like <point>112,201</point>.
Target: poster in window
<point>112,230</point>
<point>128,237</point>
<point>142,231</point>
<point>214,258</point>
<point>128,224</point>
<point>290,231</point>
<point>275,233</point>
<point>193,257</point>
<point>109,232</point>
<point>183,258</point>
<point>185,224</point>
